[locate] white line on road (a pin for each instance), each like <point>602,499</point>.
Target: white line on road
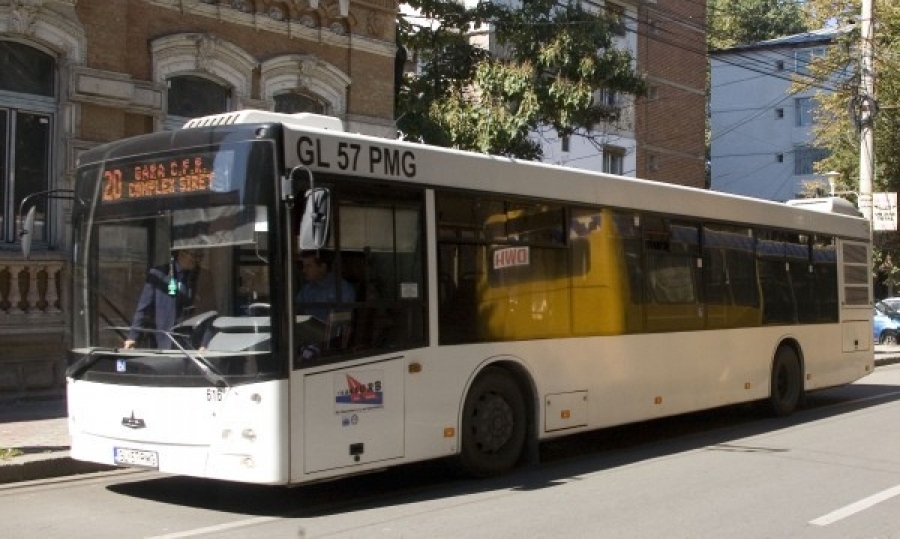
<point>218,528</point>
<point>856,507</point>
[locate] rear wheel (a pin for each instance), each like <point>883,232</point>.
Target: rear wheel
<point>787,382</point>
<point>493,425</point>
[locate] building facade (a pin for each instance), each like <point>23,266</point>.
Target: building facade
<point>761,140</point>
<point>78,73</point>
<point>660,136</point>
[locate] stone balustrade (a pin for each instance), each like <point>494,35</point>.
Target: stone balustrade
<point>33,305</point>
<point>31,289</point>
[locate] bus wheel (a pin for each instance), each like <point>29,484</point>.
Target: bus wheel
<point>787,382</point>
<point>493,425</point>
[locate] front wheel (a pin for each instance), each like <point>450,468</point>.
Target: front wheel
<point>493,425</point>
<point>787,382</point>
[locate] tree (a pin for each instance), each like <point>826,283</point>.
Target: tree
<point>837,77</point>
<point>740,22</point>
<point>549,61</point>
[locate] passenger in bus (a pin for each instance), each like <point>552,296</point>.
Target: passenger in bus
<point>166,299</point>
<point>319,288</point>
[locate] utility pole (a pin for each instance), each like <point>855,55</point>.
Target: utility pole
<point>867,110</point>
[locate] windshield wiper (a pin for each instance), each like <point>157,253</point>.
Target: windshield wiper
<point>209,372</point>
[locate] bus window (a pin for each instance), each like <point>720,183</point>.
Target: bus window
<point>729,277</point>
<point>374,299</point>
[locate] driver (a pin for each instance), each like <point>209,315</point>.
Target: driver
<point>167,297</point>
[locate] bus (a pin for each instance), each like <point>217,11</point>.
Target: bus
<point>476,305</point>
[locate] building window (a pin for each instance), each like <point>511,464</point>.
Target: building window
<point>613,160</point>
<point>779,158</point>
<point>779,113</point>
<point>779,65</point>
<point>653,163</point>
<point>295,102</point>
<point>192,97</point>
<point>804,111</point>
<point>803,58</point>
<point>653,93</point>
<point>805,157</point>
<point>291,82</point>
<point>27,111</point>
<point>26,70</point>
<point>606,97</point>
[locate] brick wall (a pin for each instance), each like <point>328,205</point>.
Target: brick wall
<point>671,121</point>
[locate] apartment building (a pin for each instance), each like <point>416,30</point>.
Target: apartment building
<point>761,140</point>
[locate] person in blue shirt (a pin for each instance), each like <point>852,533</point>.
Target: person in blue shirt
<point>320,287</point>
<point>166,299</point>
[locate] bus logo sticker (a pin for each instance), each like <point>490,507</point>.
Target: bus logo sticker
<point>133,422</point>
<point>511,256</point>
<point>358,391</point>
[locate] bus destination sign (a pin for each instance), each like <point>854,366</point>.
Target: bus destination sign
<point>158,178</point>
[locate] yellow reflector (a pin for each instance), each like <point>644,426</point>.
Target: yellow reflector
<point>657,400</point>
<point>449,432</point>
<point>565,414</point>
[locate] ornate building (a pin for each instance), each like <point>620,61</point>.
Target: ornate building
<point>78,73</point>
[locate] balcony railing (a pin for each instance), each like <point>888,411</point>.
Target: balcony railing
<point>31,289</point>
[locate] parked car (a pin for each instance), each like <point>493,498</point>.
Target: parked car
<point>893,303</point>
<point>886,324</point>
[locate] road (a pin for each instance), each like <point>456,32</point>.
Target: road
<point>830,471</point>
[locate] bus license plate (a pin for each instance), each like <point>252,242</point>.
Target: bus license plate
<point>136,457</point>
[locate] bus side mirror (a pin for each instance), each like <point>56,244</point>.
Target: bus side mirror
<point>27,232</point>
<point>315,224</point>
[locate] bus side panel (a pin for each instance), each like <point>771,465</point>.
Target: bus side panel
<point>350,416</point>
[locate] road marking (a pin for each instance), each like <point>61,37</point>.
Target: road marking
<point>218,528</point>
<point>856,507</point>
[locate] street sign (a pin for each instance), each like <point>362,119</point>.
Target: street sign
<point>884,211</point>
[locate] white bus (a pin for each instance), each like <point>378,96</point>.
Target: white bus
<point>476,306</point>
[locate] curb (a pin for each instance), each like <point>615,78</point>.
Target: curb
<point>57,464</point>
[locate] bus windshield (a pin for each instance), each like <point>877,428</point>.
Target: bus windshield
<point>172,266</point>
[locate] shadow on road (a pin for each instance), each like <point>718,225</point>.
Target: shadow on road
<point>562,461</point>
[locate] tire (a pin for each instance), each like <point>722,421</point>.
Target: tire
<point>493,425</point>
<point>889,338</point>
<point>787,382</point>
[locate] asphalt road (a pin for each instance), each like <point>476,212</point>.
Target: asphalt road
<point>831,470</point>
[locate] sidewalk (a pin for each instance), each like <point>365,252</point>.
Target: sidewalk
<point>38,433</point>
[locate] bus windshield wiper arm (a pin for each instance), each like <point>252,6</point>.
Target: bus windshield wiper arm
<point>209,372</point>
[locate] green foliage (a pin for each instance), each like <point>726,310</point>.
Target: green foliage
<point>547,62</point>
<point>8,453</point>
<point>738,22</point>
<point>837,126</point>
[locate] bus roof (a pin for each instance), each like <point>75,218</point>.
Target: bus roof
<point>253,116</point>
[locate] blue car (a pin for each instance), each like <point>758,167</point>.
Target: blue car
<point>886,324</point>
